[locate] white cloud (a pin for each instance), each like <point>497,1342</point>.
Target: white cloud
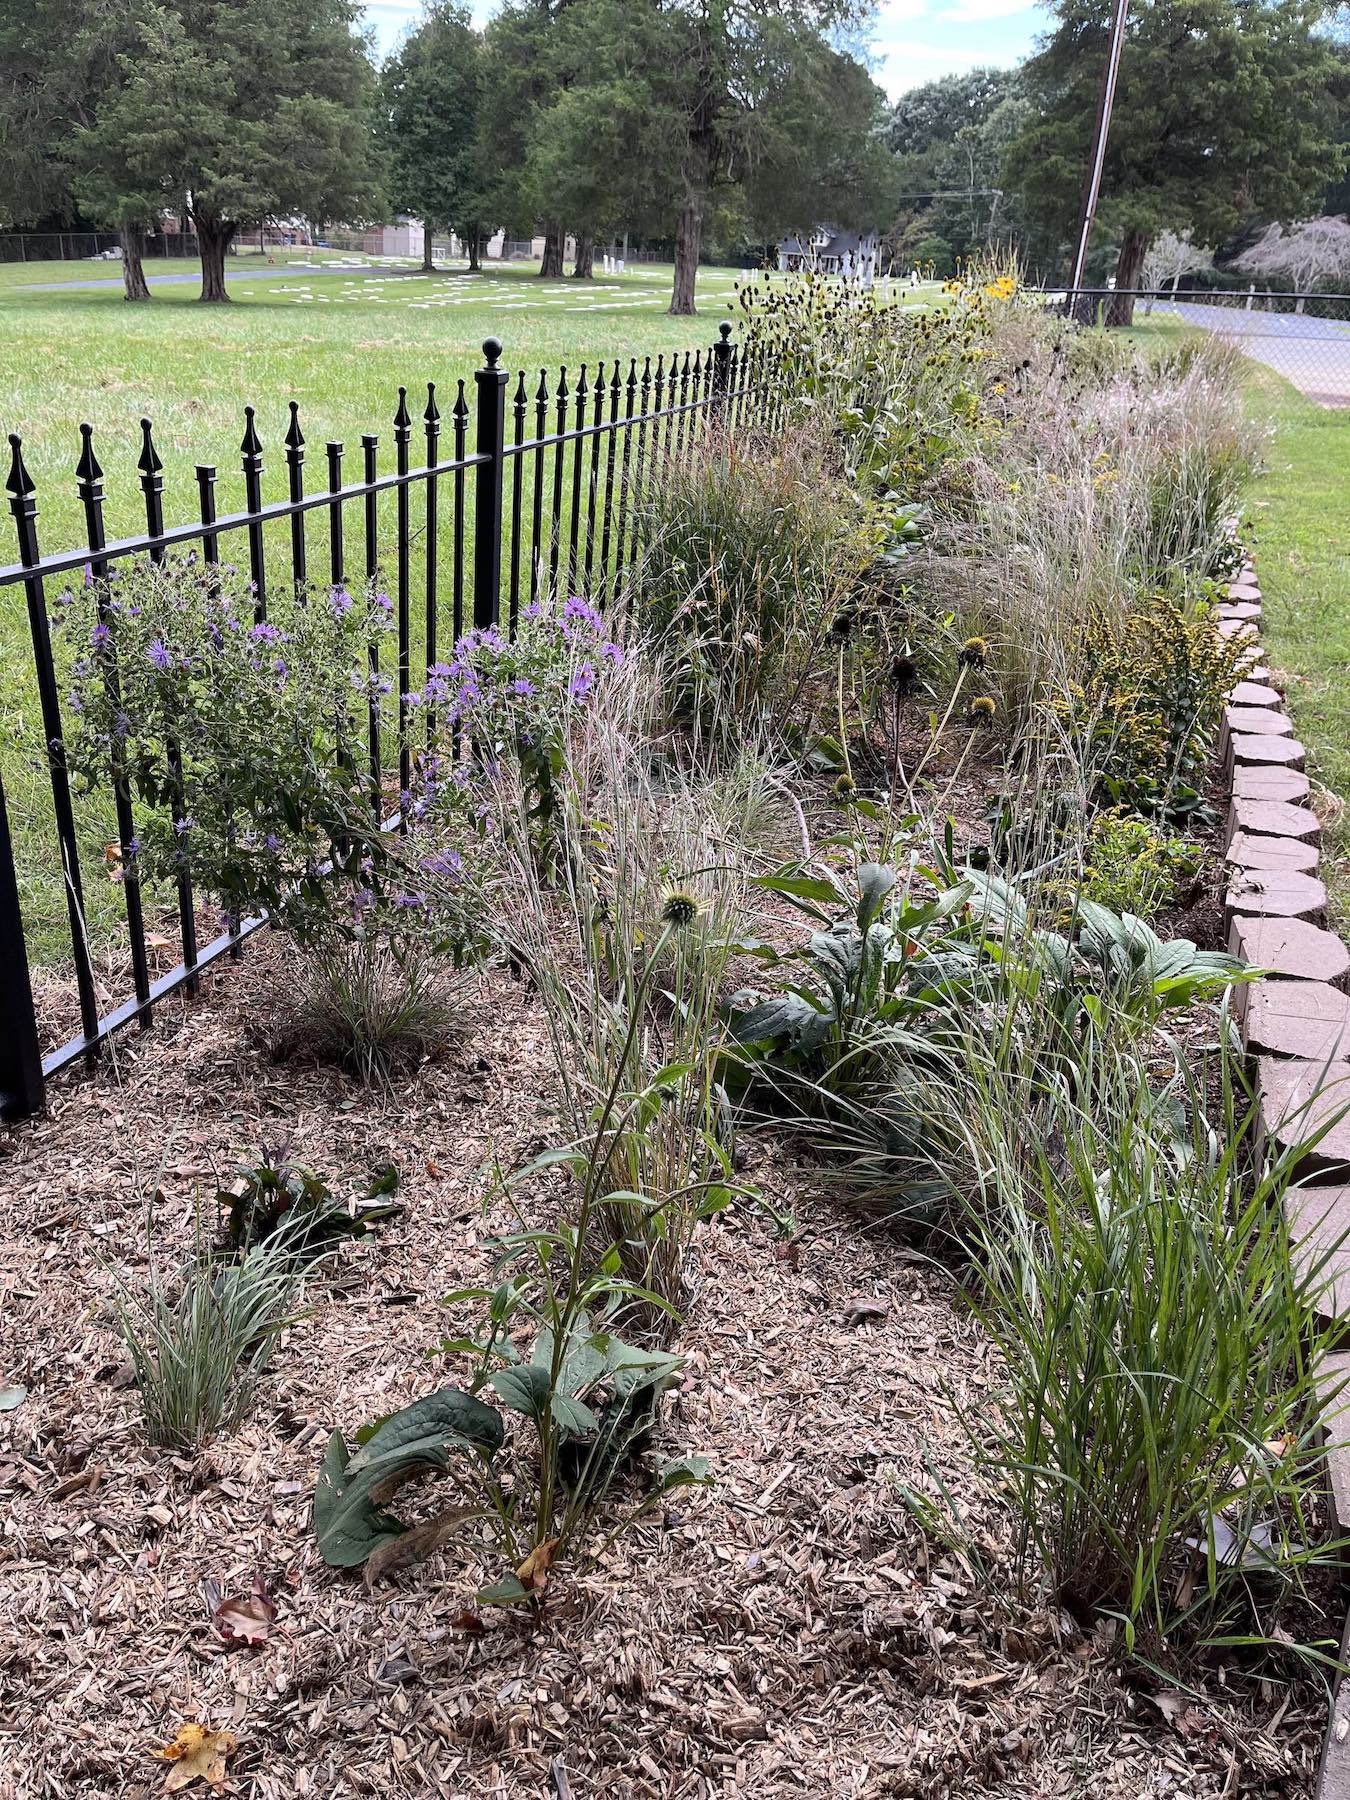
<point>970,12</point>
<point>906,63</point>
<point>898,12</point>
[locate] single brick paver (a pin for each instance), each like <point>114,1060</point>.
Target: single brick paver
<point>1256,781</point>
<point>1274,818</point>
<point>1286,752</point>
<point>1299,1099</point>
<point>1248,852</point>
<point>1307,1019</point>
<point>1290,947</point>
<point>1258,721</point>
<point>1277,894</point>
<point>1255,693</point>
<point>1319,1235</point>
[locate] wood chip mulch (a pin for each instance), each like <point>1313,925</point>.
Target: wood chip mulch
<point>789,1631</point>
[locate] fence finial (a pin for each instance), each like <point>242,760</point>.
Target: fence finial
<point>252,444</point>
<point>20,481</point>
<point>724,330</point>
<point>295,438</point>
<point>433,412</point>
<point>149,463</point>
<point>87,468</point>
<point>492,349</point>
<point>402,418</point>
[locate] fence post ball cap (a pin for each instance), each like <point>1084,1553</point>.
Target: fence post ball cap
<point>492,349</point>
<point>724,330</point>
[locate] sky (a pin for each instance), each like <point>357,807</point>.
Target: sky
<point>914,40</point>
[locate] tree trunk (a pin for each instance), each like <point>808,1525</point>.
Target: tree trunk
<point>551,265</point>
<point>688,238</point>
<point>1129,272</point>
<point>583,263</point>
<point>213,240</point>
<point>474,244</point>
<point>134,285</point>
<point>428,261</point>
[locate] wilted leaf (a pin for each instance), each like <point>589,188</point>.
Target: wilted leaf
<point>247,1621</point>
<point>532,1574</point>
<point>864,1312</point>
<point>506,1592</point>
<point>684,1471</point>
<point>415,1544</point>
<point>197,1754</point>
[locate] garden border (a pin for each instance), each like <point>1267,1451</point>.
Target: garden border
<point>1295,1021</point>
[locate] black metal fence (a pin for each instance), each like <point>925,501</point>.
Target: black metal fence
<point>543,483</point>
<point>1304,337</point>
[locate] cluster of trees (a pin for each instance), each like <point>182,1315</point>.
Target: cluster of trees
<point>580,116</point>
<point>1228,114</point>
<point>731,120</point>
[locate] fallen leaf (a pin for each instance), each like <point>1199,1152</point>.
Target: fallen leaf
<point>533,1572</point>
<point>1171,1705</point>
<point>155,940</point>
<point>247,1621</point>
<point>197,1754</point>
<point>414,1545</point>
<point>10,1397</point>
<point>467,1621</point>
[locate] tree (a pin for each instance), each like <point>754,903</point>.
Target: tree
<point>1170,256</point>
<point>950,138</point>
<point>524,72</point>
<point>60,65</point>
<point>246,110</point>
<point>1223,107</point>
<point>1317,250</point>
<point>427,124</point>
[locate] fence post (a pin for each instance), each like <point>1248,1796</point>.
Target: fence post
<point>721,382</point>
<point>487,488</point>
<point>20,1056</point>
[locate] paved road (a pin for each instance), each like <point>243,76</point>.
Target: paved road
<point>1312,353</point>
<point>277,272</point>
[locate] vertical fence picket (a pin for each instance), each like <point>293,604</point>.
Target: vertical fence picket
<point>21,1081</point>
<point>519,406</point>
<point>431,425</point>
<point>611,445</point>
<point>206,502</point>
<point>460,421</point>
<point>152,488</point>
<point>337,553</point>
<point>644,407</point>
<point>593,474</point>
<point>89,487</point>
<point>630,400</point>
<point>490,382</point>
<point>370,448</point>
<point>537,502</point>
<point>20,488</point>
<point>403,553</point>
<point>295,487</point>
<point>582,392</point>
<point>251,451</point>
<point>555,524</point>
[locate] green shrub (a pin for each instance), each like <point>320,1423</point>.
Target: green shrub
<point>1130,866</point>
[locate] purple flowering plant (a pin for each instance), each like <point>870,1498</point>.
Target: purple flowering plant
<point>243,743</point>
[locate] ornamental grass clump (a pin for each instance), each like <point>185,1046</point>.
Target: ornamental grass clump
<point>1157,1437</point>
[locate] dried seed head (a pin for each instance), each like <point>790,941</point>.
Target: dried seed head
<point>680,910</point>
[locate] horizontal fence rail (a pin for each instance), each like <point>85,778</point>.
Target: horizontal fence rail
<point>538,496</point>
<point>1303,336</point>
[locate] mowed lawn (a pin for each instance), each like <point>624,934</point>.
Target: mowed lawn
<point>1300,521</point>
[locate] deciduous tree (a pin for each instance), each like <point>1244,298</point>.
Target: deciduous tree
<point>428,125</point>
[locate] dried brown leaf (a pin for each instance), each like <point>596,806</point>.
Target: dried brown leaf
<point>197,1754</point>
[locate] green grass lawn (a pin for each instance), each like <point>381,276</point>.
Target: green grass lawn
<point>1300,530</point>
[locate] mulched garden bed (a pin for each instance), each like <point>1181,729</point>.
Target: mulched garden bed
<point>788,1631</point>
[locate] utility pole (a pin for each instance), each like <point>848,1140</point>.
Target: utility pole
<point>1105,101</point>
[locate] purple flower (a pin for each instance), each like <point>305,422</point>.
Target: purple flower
<point>74,702</point>
<point>272,841</point>
<point>523,687</point>
<point>577,608</point>
<point>100,637</point>
<point>384,603</point>
<point>362,900</point>
<point>279,669</point>
<point>184,825</point>
<point>583,680</point>
<point>133,848</point>
<point>158,655</point>
<point>340,601</point>
<point>612,652</point>
<point>121,726</point>
<point>265,634</point>
<point>410,902</point>
<point>444,862</point>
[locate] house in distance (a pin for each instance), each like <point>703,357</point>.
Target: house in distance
<point>830,251</point>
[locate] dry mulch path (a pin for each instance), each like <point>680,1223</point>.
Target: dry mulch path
<point>789,1631</point>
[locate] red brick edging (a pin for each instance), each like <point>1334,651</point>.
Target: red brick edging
<point>1295,1021</point>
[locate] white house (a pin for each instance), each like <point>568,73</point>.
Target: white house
<point>832,252</point>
